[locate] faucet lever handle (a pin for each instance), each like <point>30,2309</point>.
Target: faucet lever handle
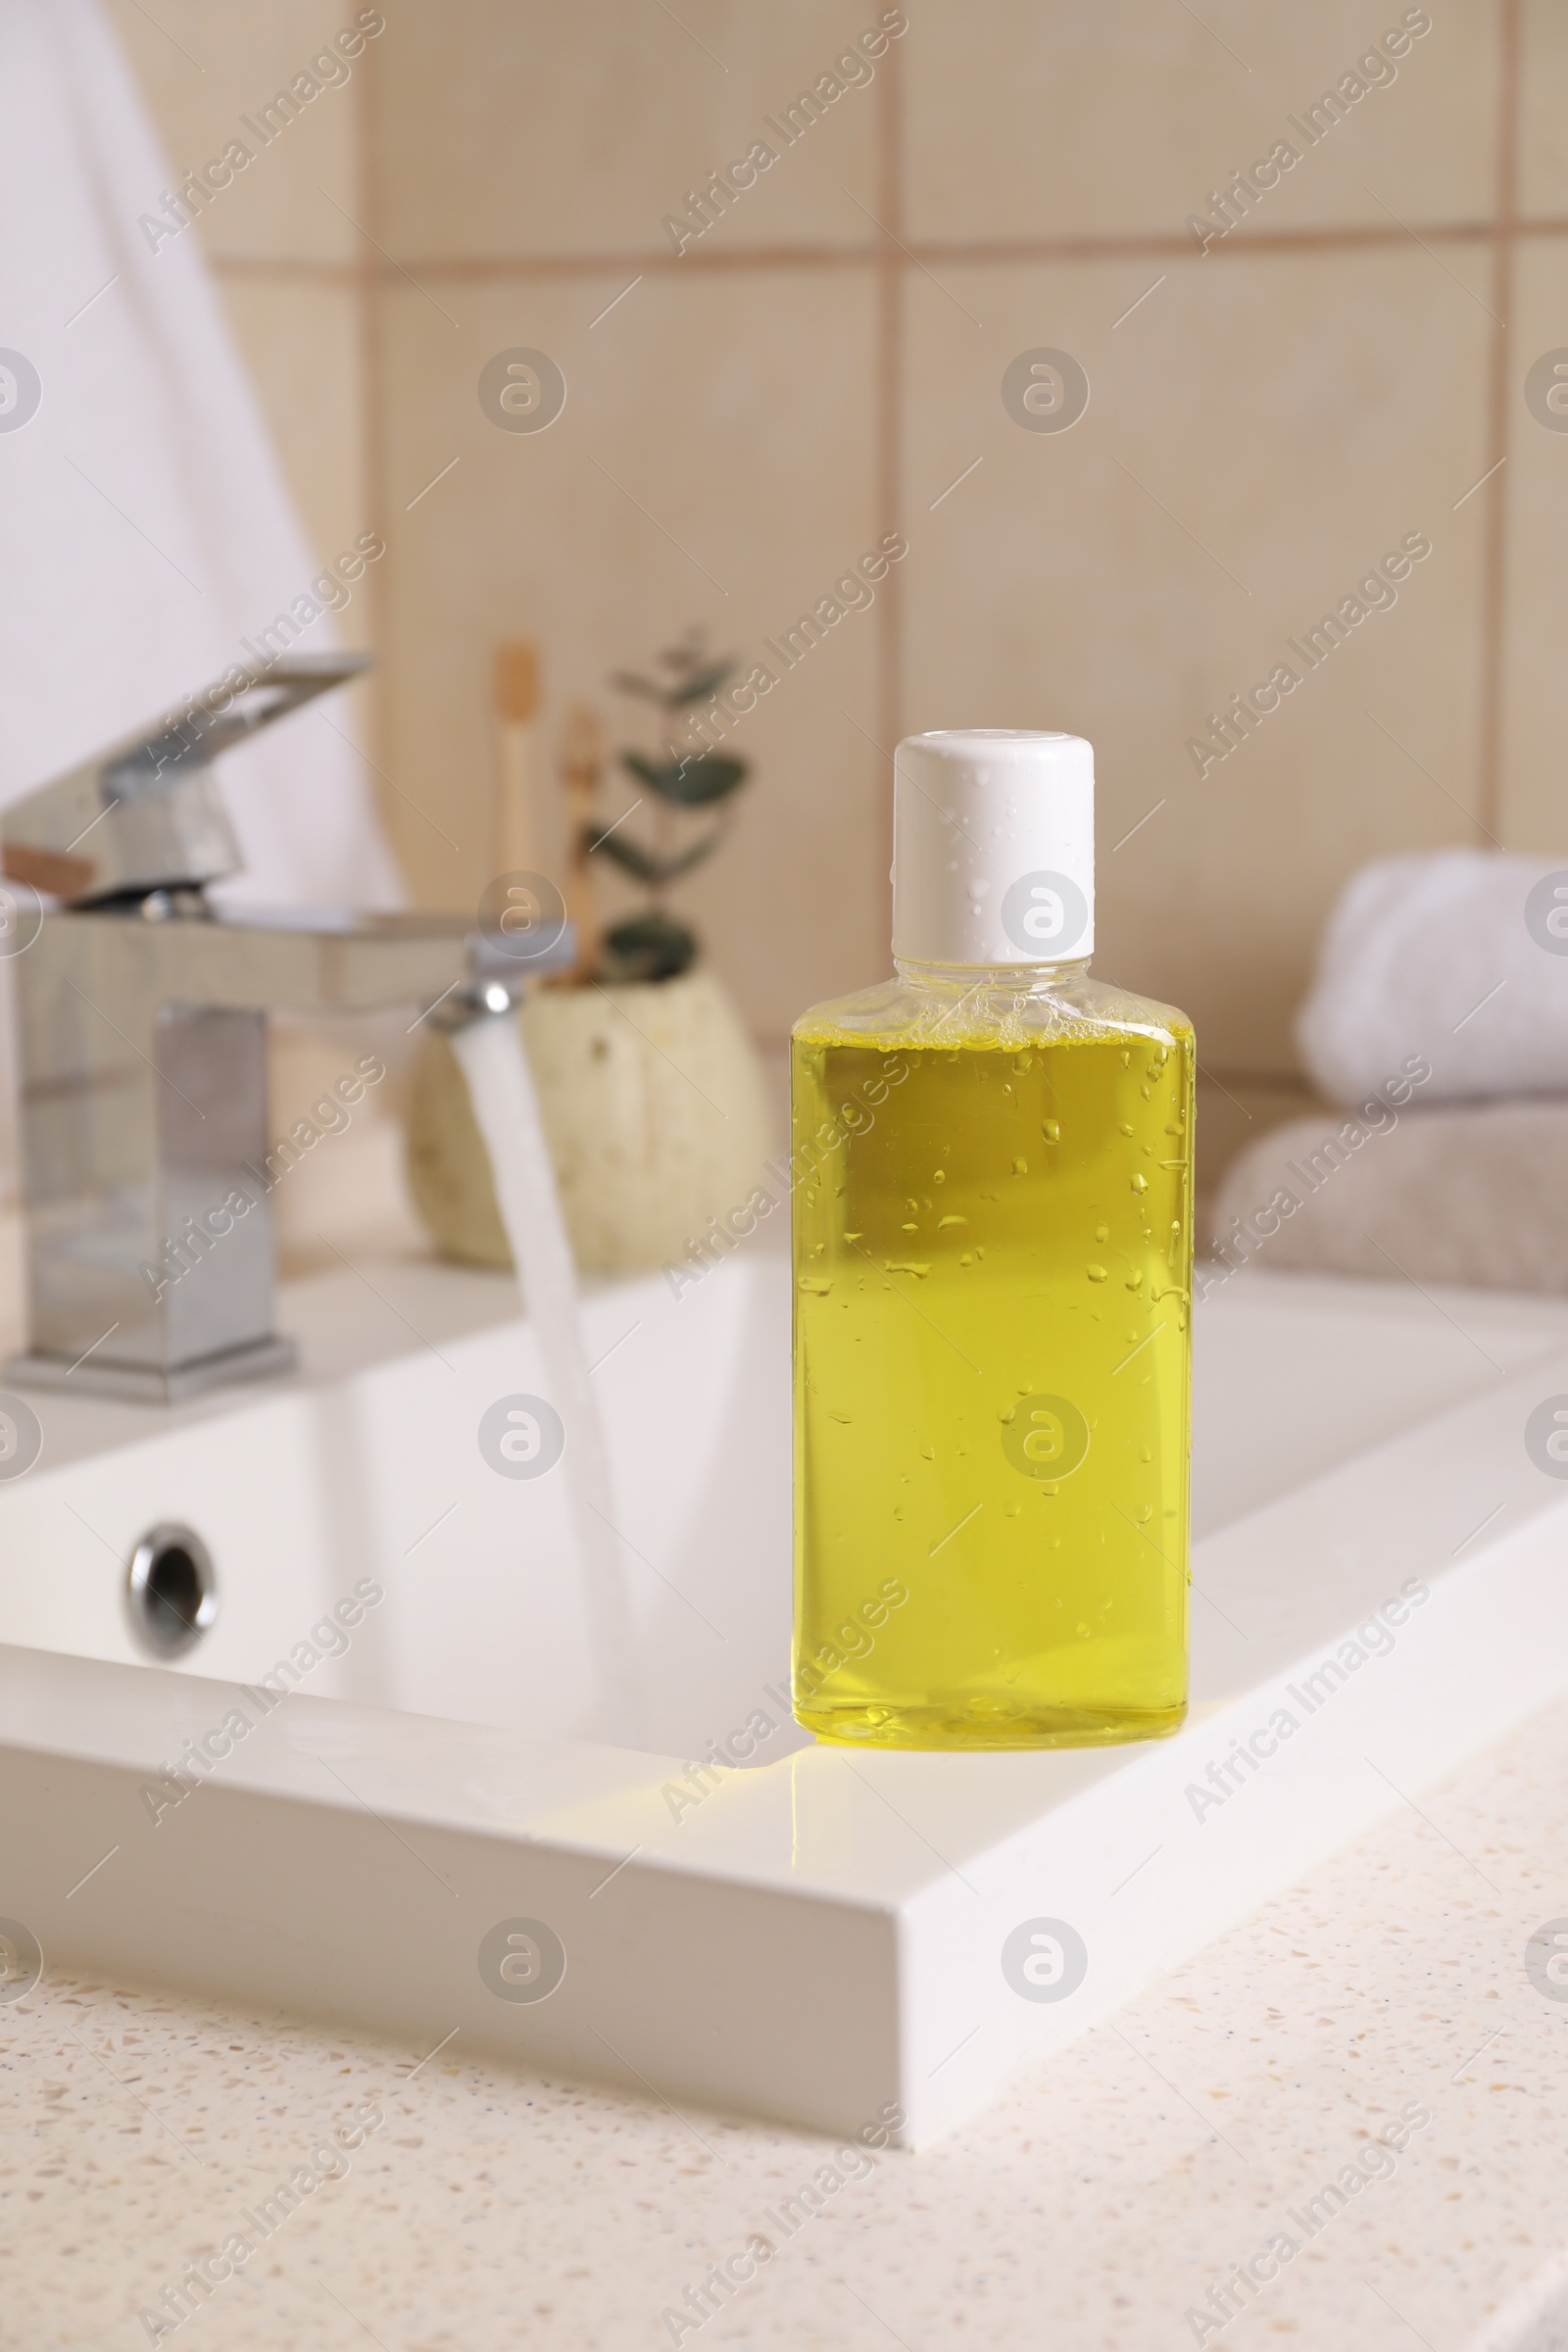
<point>148,804</point>
<point>225,714</point>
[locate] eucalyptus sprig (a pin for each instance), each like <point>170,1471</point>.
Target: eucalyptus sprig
<point>655,945</point>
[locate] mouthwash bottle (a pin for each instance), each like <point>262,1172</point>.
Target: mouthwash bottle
<point>993,1246</point>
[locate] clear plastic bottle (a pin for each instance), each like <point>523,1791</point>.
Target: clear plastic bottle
<point>993,1272</point>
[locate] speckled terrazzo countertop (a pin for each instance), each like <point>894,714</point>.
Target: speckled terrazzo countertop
<point>1096,2206</point>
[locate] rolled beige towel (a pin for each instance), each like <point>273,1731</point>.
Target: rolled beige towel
<point>1471,1196</point>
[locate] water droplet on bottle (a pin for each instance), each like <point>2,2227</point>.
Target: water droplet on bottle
<point>1050,1129</point>
<point>1101,1233</point>
<point>1095,1273</point>
<point>1140,1184</point>
<point>1020,1167</point>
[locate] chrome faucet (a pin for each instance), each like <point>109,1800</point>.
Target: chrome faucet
<point>142,1020</point>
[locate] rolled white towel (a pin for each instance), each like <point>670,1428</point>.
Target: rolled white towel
<point>1457,955</point>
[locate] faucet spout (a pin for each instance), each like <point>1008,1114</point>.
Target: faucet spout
<point>147,1162</point>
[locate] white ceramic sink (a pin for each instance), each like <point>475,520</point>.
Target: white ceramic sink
<point>369,1466</point>
<point>821,1936</point>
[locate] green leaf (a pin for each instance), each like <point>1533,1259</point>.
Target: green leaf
<point>650,947</point>
<point>692,782</point>
<point>710,777</point>
<point>646,771</point>
<point>632,859</point>
<point>620,849</point>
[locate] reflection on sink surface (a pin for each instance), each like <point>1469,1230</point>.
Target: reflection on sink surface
<point>370,1470</point>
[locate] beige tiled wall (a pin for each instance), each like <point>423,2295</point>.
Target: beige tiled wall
<point>723,457</point>
<point>1126,577</point>
<point>652,502</point>
<point>288,257</point>
<point>537,132</point>
<point>1267,419</point>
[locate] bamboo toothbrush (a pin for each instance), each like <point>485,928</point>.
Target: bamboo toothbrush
<point>580,755</point>
<point>517,699</point>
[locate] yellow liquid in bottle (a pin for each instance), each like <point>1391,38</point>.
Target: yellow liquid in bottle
<point>992,1271</point>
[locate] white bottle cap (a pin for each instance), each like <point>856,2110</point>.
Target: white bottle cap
<point>992,847</point>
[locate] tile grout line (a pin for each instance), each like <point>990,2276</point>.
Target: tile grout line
<point>372,454</point>
<point>888,426</point>
<point>1495,526</point>
<point>978,253</point>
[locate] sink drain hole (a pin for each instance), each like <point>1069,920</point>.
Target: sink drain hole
<point>172,1590</point>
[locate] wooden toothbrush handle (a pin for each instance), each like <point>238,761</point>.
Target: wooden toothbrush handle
<point>581,760</point>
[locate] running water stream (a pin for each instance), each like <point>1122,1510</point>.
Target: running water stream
<point>506,1109</point>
